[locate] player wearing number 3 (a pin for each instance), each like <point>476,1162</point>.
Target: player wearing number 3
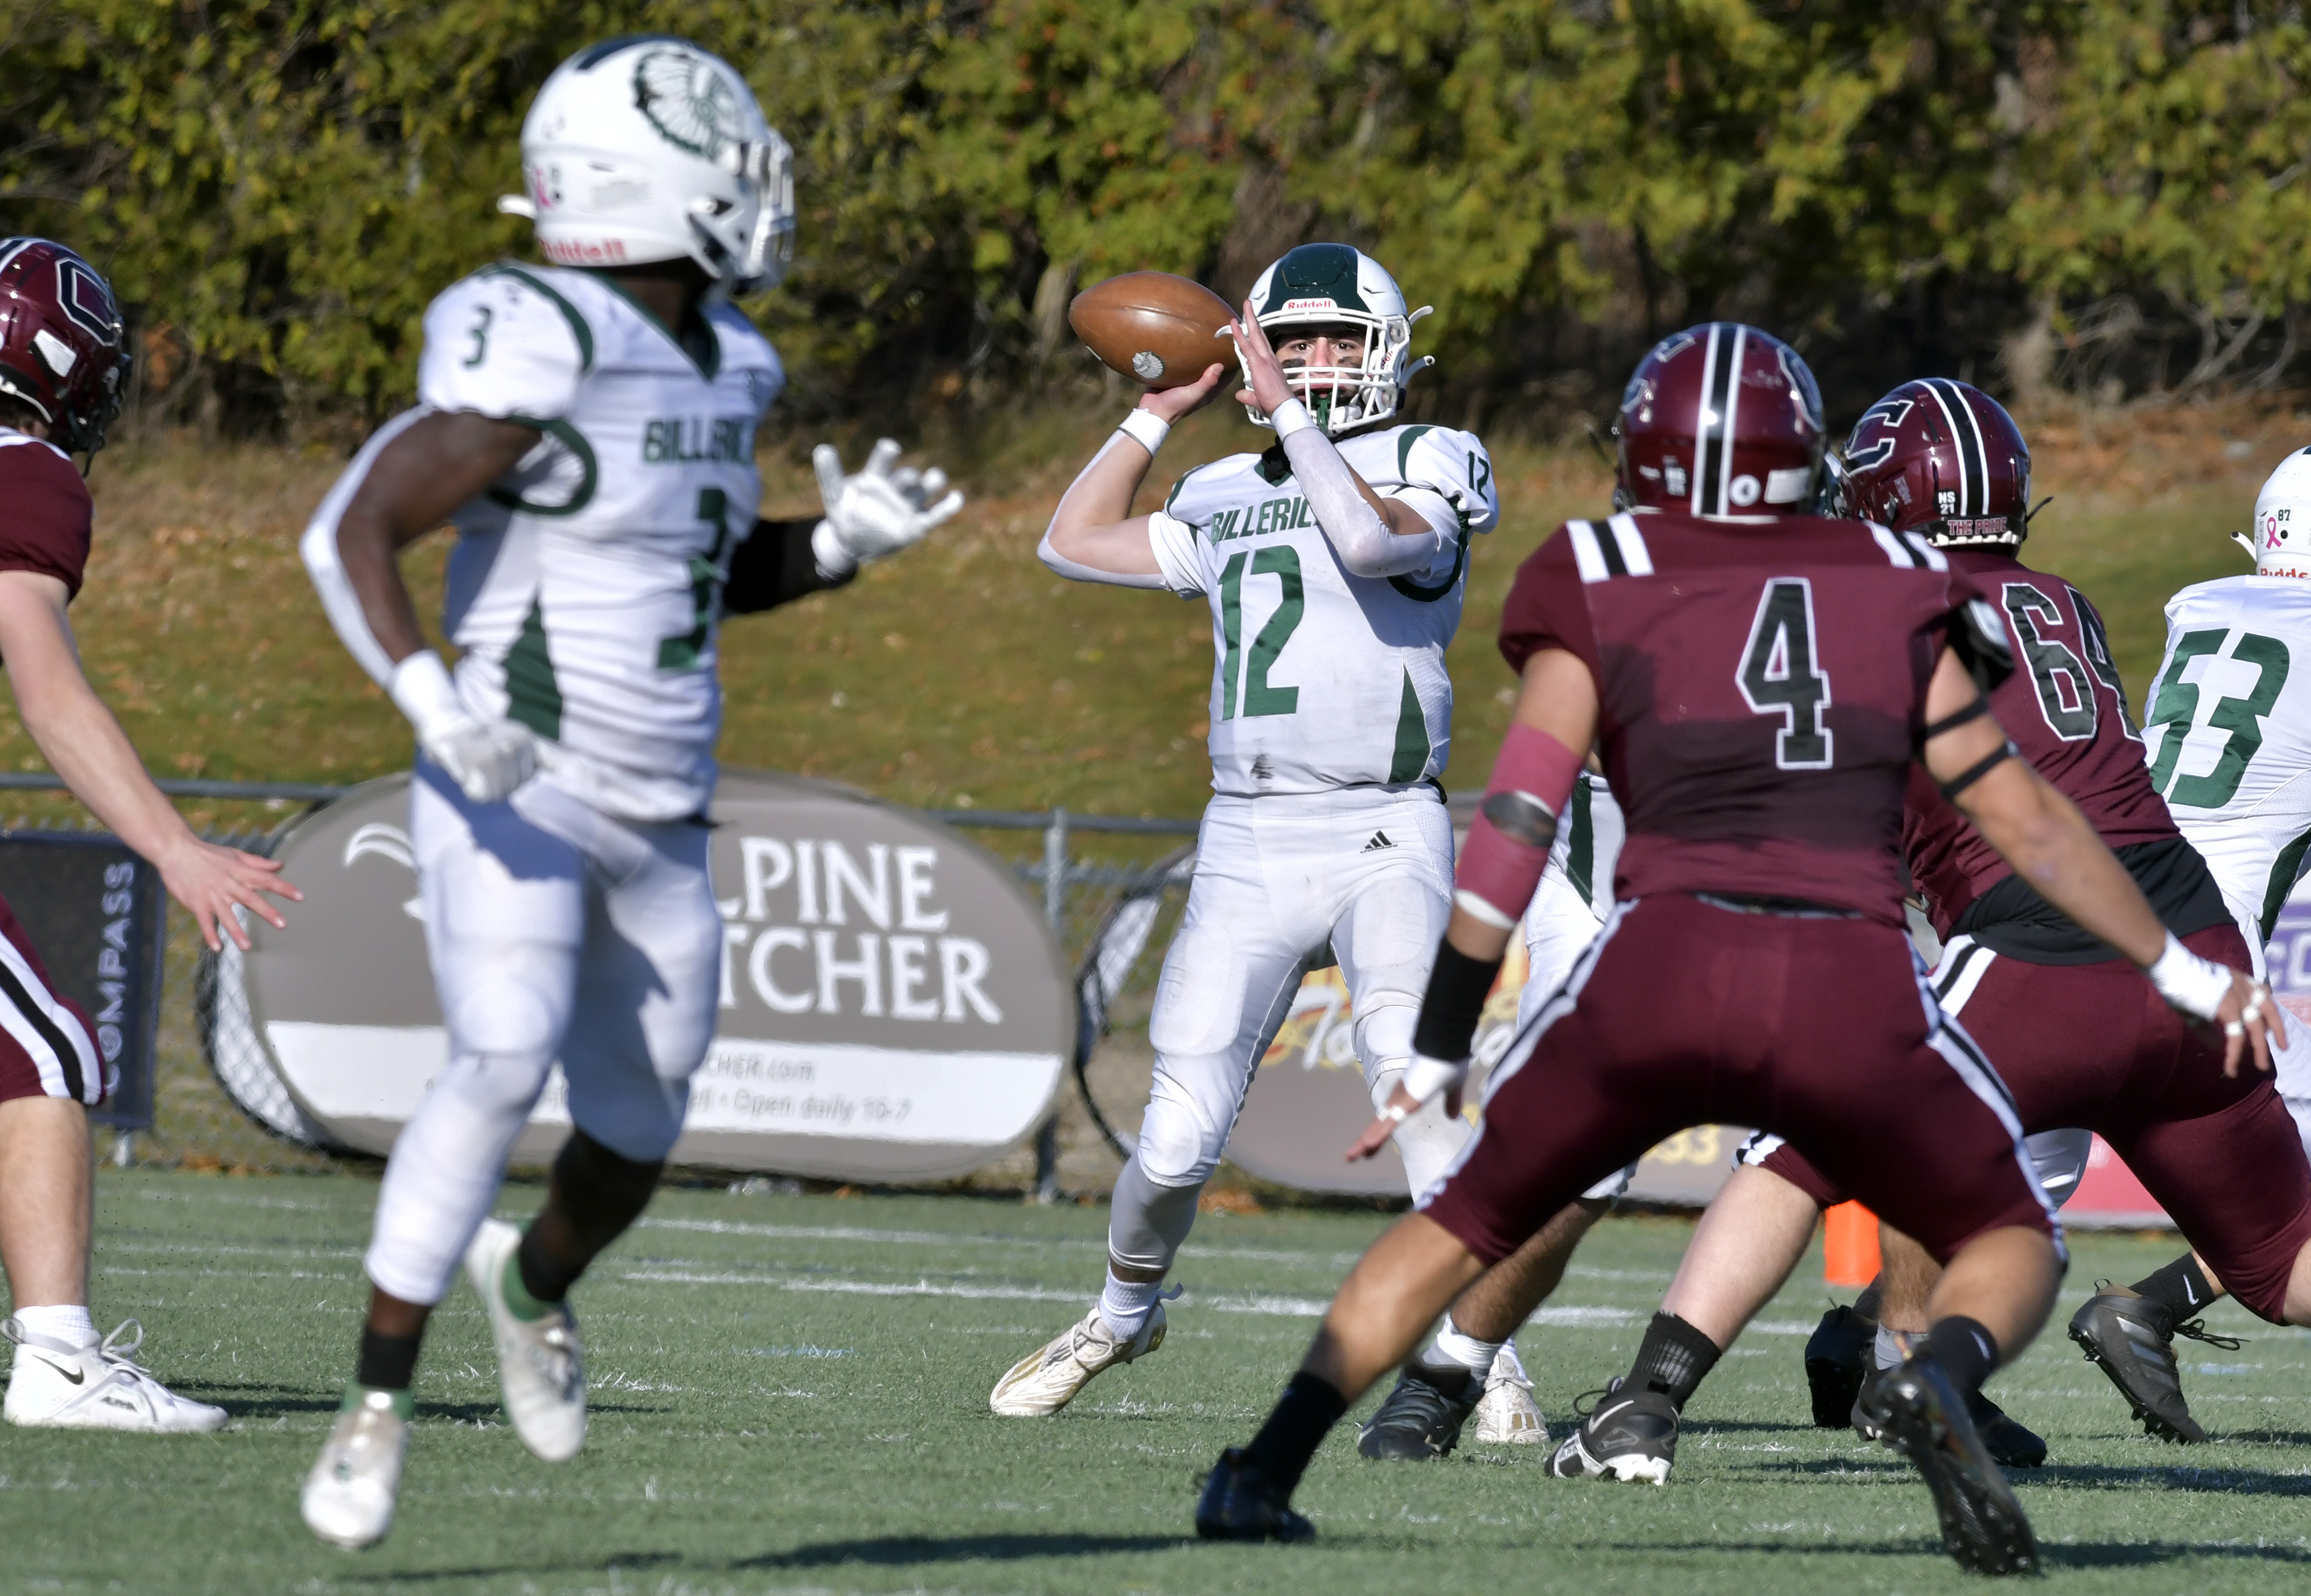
<point>1334,564</point>
<point>589,429</point>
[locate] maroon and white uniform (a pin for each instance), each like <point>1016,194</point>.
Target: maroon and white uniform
<point>48,1047</point>
<point>1762,687</point>
<point>2080,1038</point>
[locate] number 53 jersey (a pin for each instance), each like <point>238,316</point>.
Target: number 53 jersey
<point>585,588</point>
<point>1322,679</point>
<point>2229,733</point>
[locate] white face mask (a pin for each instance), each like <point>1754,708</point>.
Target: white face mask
<point>2282,519</point>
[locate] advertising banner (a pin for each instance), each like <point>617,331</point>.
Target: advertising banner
<point>893,1007</point>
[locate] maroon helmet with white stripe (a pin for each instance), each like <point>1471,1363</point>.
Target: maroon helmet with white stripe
<point>1940,458</point>
<point>63,349</point>
<point>1720,420</point>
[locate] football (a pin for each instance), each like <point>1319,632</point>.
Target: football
<point>1153,327</point>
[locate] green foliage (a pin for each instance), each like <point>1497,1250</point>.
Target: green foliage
<point>284,183</point>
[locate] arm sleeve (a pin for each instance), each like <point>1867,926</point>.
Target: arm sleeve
<point>502,343</point>
<point>46,515</point>
<point>319,547</point>
<point>1547,607</point>
<point>1363,540</point>
<point>775,566</point>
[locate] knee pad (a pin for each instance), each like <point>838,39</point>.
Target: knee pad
<point>637,1116</point>
<point>1384,1042</point>
<point>1177,1146</point>
<point>1149,1221</point>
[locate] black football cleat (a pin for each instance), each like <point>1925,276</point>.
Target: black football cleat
<point>1923,1416</point>
<point>1240,1504</point>
<point>1420,1419</point>
<point>2132,1339</point>
<point>1629,1434</point>
<point>1836,1360</point>
<point>2011,1444</point>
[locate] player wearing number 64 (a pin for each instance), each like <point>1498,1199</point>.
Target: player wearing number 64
<point>588,428</point>
<point>1334,563</point>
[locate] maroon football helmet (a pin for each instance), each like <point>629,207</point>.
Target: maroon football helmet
<point>1940,457</point>
<point>1720,420</point>
<point>63,349</point>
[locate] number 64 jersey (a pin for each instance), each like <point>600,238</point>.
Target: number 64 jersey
<point>2230,735</point>
<point>585,588</point>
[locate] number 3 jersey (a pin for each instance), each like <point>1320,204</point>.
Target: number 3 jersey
<point>2229,735</point>
<point>585,585</point>
<point>1323,679</point>
<point>1760,686</point>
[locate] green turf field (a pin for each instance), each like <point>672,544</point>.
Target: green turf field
<point>789,1395</point>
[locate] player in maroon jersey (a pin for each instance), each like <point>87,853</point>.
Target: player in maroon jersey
<point>1759,683</point>
<point>2076,1037</point>
<point>61,363</point>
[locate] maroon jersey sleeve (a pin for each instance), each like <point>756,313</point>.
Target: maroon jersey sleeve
<point>1545,608</point>
<point>45,513</point>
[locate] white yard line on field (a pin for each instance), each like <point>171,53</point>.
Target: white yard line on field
<point>942,1238</point>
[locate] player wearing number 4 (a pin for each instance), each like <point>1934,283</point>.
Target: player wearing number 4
<point>1334,564</point>
<point>589,429</point>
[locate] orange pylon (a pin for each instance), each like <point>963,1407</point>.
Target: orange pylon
<point>1849,1245</point>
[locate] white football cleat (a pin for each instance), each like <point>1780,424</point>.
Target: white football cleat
<point>348,1497</point>
<point>60,1387</point>
<point>1506,1415</point>
<point>1042,1383</point>
<point>541,1362</point>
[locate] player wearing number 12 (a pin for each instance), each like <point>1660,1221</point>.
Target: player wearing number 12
<point>1334,564</point>
<point>588,428</point>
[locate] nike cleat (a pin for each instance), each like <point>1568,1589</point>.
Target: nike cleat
<point>541,1362</point>
<point>1923,1416</point>
<point>57,1386</point>
<point>349,1497</point>
<point>1506,1415</point>
<point>1629,1434</point>
<point>1045,1382</point>
<point>2132,1339</point>
<point>1240,1504</point>
<point>1422,1417</point>
<point>1836,1361</point>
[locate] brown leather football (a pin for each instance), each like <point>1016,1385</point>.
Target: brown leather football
<point>1153,327</point>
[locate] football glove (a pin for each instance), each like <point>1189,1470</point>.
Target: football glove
<point>487,759</point>
<point>878,512</point>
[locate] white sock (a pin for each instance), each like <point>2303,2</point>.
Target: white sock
<point>1890,1348</point>
<point>1453,1345</point>
<point>1124,1305</point>
<point>67,1326</point>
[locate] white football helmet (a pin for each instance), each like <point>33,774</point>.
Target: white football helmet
<point>1319,283</point>
<point>2282,519</point>
<point>647,148</point>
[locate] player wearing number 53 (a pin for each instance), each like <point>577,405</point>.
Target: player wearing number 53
<point>588,429</point>
<point>1334,564</point>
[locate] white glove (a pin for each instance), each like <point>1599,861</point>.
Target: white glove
<point>2194,985</point>
<point>1427,1076</point>
<point>876,513</point>
<point>487,759</point>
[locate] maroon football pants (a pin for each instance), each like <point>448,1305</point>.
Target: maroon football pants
<point>2094,1046</point>
<point>1820,1029</point>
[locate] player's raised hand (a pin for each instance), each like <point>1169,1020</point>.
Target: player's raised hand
<point>878,512</point>
<point>1174,403</point>
<point>1269,390</point>
<point>2250,1019</point>
<point>1401,1106</point>
<point>209,881</point>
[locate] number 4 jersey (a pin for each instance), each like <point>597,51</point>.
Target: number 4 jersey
<point>2229,729</point>
<point>584,590</point>
<point>1323,679</point>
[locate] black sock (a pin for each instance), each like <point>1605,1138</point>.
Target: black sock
<point>2181,1288</point>
<point>1674,1359</point>
<point>387,1362</point>
<point>595,1195</point>
<point>1967,1351</point>
<point>1304,1414</point>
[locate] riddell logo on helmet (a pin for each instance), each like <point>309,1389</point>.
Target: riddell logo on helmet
<point>583,251</point>
<point>1314,304</point>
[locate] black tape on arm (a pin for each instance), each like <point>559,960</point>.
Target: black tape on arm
<point>1977,771</point>
<point>1458,986</point>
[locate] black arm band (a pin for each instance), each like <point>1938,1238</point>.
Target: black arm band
<point>1977,770</point>
<point>1973,711</point>
<point>1458,986</point>
<point>773,567</point>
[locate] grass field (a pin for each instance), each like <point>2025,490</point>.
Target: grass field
<point>789,1395</point>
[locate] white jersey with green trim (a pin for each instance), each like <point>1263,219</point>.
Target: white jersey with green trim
<point>2228,736</point>
<point>1322,679</point>
<point>585,588</point>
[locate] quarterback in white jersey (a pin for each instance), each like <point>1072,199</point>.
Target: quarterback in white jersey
<point>1334,564</point>
<point>2228,732</point>
<point>588,429</point>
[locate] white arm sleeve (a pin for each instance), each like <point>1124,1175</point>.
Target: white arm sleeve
<point>1075,571</point>
<point>1364,543</point>
<point>319,548</point>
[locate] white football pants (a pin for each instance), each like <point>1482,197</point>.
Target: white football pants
<point>1559,925</point>
<point>556,932</point>
<point>1368,870</point>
